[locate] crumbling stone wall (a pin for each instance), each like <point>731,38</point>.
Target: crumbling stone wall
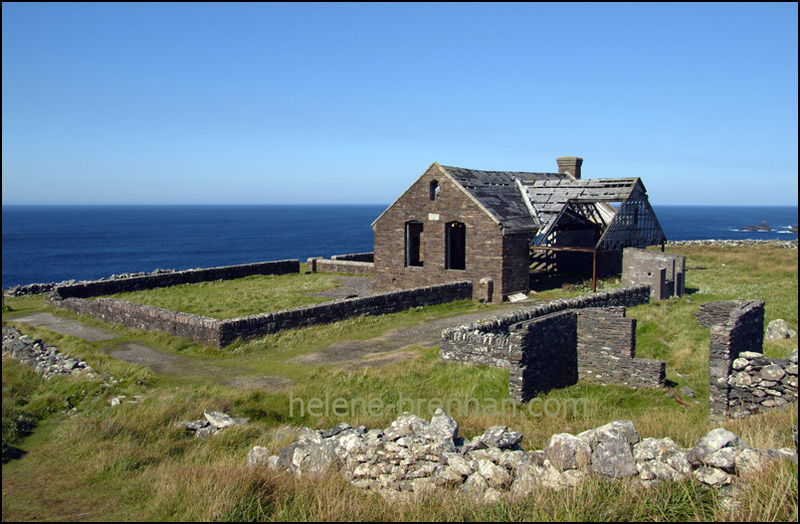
<point>606,350</point>
<point>742,380</point>
<point>758,382</point>
<point>663,271</point>
<point>550,345</point>
<point>741,329</point>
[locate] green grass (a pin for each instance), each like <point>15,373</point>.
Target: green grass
<point>132,463</point>
<point>241,297</point>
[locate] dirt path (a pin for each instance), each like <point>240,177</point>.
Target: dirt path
<point>157,360</point>
<point>425,334</point>
<point>354,354</point>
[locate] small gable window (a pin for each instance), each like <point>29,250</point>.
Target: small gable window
<point>434,194</point>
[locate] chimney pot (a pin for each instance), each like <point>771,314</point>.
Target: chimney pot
<point>570,165</point>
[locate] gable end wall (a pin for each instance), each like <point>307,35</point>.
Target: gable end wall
<point>485,244</point>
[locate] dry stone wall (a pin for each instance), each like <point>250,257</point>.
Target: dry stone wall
<point>413,457</point>
<point>742,380</point>
<point>757,382</point>
<point>354,267</point>
<point>549,344</point>
<point>378,304</point>
<point>203,330</point>
<point>607,347</point>
<point>736,326</point>
<point>221,333</point>
<point>356,257</point>
<point>542,355</point>
<point>95,288</point>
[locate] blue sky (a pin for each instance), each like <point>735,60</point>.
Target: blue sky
<point>350,103</point>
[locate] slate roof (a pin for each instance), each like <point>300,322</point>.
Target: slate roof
<point>499,193</point>
<point>523,202</point>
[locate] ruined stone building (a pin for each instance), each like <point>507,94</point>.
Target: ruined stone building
<point>463,224</point>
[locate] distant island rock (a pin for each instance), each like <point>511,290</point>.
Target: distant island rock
<point>763,226</point>
<point>792,229</point>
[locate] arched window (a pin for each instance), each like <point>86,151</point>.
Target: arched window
<point>455,245</point>
<point>414,243</point>
<point>434,191</point>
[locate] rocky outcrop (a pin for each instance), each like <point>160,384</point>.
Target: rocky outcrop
<point>46,360</point>
<point>763,226</point>
<point>413,456</point>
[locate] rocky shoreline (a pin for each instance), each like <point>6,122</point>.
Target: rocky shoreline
<point>789,244</point>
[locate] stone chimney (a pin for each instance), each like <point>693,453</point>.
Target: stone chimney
<point>570,165</point>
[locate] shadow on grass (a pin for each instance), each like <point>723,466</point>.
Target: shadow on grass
<point>12,453</point>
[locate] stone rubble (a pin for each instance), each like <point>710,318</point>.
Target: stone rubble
<point>413,456</point>
<point>214,422</point>
<point>46,360</point>
<point>757,382</point>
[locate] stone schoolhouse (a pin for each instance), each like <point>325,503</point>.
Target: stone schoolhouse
<point>488,227</point>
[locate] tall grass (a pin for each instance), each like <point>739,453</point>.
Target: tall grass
<point>87,460</point>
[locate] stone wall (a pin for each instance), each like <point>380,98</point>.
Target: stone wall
<point>664,272</point>
<point>492,334</point>
<point>606,350</point>
<point>542,355</point>
<point>203,330</point>
<point>356,257</point>
<point>741,329</point>
<point>190,276</point>
<point>551,344</point>
<point>355,267</point>
<point>758,382</point>
<point>742,380</point>
<point>414,458</point>
<point>220,333</point>
<point>378,304</point>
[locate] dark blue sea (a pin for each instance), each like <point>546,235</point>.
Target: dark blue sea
<point>56,243</point>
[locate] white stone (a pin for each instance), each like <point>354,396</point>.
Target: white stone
<point>712,476</point>
<point>218,420</point>
<point>495,476</point>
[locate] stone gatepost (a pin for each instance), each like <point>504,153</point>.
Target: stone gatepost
<point>485,290</point>
<point>312,263</point>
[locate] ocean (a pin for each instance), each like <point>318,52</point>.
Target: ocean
<point>54,243</point>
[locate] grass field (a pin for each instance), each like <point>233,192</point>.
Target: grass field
<point>237,298</point>
<point>87,461</point>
